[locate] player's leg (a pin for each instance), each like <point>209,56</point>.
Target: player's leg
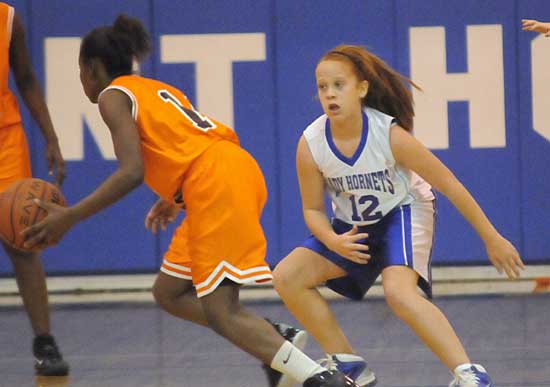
<point>409,241</point>
<point>426,319</point>
<point>225,193</point>
<point>229,318</point>
<point>296,284</point>
<point>222,312</point>
<point>173,289</point>
<point>175,293</point>
<point>31,281</point>
<point>253,334</point>
<point>409,237</point>
<point>29,272</point>
<point>177,296</point>
<point>430,325</point>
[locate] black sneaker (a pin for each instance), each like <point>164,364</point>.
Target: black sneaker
<point>298,337</point>
<point>329,379</point>
<point>48,359</point>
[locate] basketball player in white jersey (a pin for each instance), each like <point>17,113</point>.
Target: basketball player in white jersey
<point>379,179</point>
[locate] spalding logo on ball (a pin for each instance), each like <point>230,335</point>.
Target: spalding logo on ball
<point>19,211</point>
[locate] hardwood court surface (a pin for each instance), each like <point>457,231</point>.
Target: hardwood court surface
<point>122,345</point>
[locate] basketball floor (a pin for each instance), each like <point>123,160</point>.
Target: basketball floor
<point>128,344</point>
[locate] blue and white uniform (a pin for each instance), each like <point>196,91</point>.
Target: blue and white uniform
<point>390,203</point>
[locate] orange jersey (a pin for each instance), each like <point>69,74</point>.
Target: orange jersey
<point>9,110</point>
<point>172,133</point>
<point>15,160</point>
<point>221,236</point>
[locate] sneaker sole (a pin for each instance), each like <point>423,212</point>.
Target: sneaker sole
<point>300,341</point>
<point>367,382</point>
<point>57,370</point>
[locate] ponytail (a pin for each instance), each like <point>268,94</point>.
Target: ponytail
<point>117,46</point>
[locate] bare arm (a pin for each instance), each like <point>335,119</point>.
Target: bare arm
<point>312,191</point>
<point>115,108</point>
<point>313,205</point>
<point>116,111</point>
<point>411,154</point>
<point>32,95</point>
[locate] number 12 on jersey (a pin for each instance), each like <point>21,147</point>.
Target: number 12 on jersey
<point>368,213</point>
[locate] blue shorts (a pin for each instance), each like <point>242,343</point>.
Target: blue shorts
<point>404,237</point>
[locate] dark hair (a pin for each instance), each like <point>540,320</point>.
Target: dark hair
<point>388,90</point>
<point>117,46</point>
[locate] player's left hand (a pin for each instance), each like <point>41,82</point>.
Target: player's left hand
<point>504,256</point>
<point>56,164</point>
<point>160,215</point>
<point>50,230</point>
<point>535,25</point>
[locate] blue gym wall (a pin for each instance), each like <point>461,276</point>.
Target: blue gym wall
<point>273,101</point>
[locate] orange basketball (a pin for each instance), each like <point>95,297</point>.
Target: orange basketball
<point>19,211</point>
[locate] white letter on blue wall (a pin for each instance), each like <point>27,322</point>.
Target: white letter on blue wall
<point>482,86</point>
<point>214,55</point>
<point>540,78</point>
<point>68,104</point>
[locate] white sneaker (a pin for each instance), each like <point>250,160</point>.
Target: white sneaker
<point>355,367</point>
<point>471,375</point>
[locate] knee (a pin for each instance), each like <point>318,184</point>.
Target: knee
<point>400,300</point>
<point>158,295</point>
<point>162,296</point>
<point>400,290</point>
<point>284,278</point>
<point>393,297</point>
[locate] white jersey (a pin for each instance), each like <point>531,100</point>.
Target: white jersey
<point>367,186</point>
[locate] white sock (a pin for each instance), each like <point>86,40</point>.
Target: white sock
<point>290,361</point>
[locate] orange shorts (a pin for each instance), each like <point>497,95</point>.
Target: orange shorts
<point>15,162</point>
<point>221,236</point>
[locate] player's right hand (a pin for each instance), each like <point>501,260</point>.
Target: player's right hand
<point>161,214</point>
<point>348,245</point>
<point>56,164</point>
<point>50,230</point>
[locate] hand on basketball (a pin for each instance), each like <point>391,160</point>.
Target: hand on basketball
<point>504,256</point>
<point>347,246</point>
<point>51,229</point>
<point>162,213</point>
<point>536,26</point>
<point>56,164</point>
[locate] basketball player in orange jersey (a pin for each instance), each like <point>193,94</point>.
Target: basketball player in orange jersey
<point>14,165</point>
<point>185,157</point>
